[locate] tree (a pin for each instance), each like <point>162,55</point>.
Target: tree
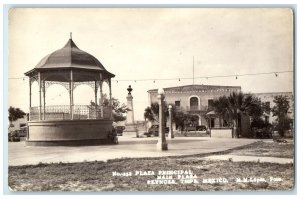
<point>179,118</point>
<point>152,113</point>
<point>183,120</point>
<point>220,106</point>
<point>280,109</point>
<point>118,109</point>
<point>15,114</point>
<point>236,104</point>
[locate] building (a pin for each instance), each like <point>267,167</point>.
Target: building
<point>197,99</point>
<point>268,98</point>
<point>19,124</point>
<point>194,99</point>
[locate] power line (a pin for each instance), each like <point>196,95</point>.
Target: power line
<point>188,78</point>
<point>206,77</point>
<point>18,77</point>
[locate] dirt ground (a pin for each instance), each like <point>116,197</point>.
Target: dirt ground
<point>146,174</point>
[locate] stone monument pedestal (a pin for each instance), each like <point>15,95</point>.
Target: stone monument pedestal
<point>130,124</point>
<point>130,128</point>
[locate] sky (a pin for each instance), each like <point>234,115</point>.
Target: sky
<point>144,45</point>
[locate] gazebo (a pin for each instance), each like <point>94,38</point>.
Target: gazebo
<point>69,124</point>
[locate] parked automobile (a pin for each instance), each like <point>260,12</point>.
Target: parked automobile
<point>263,131</point>
<point>202,129</point>
<point>120,130</point>
<point>22,132</point>
<point>13,136</point>
<point>154,131</point>
<point>191,128</point>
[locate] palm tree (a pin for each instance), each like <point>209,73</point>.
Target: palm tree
<point>220,106</point>
<point>151,113</point>
<point>236,104</point>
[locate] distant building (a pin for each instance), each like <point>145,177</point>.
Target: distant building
<point>269,99</point>
<point>194,99</point>
<point>19,124</point>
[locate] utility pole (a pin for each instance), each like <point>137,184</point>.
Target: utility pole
<point>193,72</point>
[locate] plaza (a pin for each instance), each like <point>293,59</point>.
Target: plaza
<point>128,147</point>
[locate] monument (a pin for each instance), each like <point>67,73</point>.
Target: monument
<point>129,124</point>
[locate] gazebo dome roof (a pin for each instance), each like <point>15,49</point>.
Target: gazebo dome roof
<point>70,56</point>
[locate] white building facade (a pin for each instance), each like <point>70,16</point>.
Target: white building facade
<point>194,99</point>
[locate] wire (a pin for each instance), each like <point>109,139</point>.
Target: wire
<point>205,77</point>
<point>182,78</point>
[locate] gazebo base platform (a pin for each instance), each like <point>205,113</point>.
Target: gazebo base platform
<point>69,132</point>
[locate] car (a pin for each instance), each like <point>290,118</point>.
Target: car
<point>196,128</point>
<point>202,129</point>
<point>191,128</point>
<point>119,130</point>
<point>263,132</point>
<point>154,131</point>
<point>13,136</point>
<point>261,129</point>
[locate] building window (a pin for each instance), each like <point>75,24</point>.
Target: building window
<point>22,125</point>
<point>210,103</point>
<point>177,103</point>
<point>194,104</point>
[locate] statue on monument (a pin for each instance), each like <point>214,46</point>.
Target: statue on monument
<point>129,90</point>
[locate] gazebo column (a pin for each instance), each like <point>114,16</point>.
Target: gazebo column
<point>44,100</point>
<point>40,96</point>
<point>110,97</point>
<point>29,98</point>
<point>71,95</point>
<point>101,96</point>
<point>96,99</point>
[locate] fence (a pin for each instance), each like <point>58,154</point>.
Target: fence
<point>63,112</point>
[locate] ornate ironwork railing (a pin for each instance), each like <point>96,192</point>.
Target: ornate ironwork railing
<point>63,112</point>
<point>196,108</point>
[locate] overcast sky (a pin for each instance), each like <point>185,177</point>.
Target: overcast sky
<point>136,44</point>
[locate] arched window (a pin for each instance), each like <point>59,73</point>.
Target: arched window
<point>194,103</point>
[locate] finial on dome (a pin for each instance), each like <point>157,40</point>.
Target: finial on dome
<point>70,35</point>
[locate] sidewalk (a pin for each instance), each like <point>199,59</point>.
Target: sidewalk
<point>128,147</point>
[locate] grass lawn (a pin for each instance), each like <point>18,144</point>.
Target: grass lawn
<point>98,176</point>
<point>192,134</point>
<point>269,149</point>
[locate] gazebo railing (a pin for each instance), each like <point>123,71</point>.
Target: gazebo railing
<point>63,112</point>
